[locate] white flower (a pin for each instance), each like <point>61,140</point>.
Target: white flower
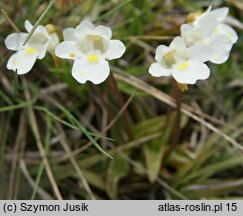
<point>219,16</point>
<point>90,47</point>
<point>186,65</point>
<point>24,59</point>
<point>227,30</point>
<point>208,29</point>
<point>218,45</point>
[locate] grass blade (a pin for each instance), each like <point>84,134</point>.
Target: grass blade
<point>38,21</point>
<point>83,129</point>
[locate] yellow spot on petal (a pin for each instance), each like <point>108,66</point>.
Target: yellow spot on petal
<point>229,35</point>
<point>170,55</point>
<point>15,62</point>
<point>183,65</point>
<point>169,58</point>
<point>30,50</point>
<point>94,37</point>
<point>216,30</point>
<point>72,55</point>
<point>182,87</point>
<point>206,41</point>
<point>92,58</point>
<point>215,58</point>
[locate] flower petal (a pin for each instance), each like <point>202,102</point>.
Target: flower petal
<point>87,24</point>
<point>116,50</point>
<point>96,72</point>
<point>68,50</point>
<point>220,13</point>
<point>69,34</point>
<point>39,28</point>
<point>40,42</point>
<point>22,61</point>
<point>157,70</point>
<point>15,41</point>
<point>221,46</point>
<point>185,28</point>
<point>103,31</point>
<point>84,28</point>
<point>190,34</point>
<point>201,16</point>
<point>159,52</point>
<point>178,43</point>
<point>228,31</point>
<point>189,72</point>
<point>28,25</point>
<point>199,52</point>
<point>206,26</point>
<point>202,30</point>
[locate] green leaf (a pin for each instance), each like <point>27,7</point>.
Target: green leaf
<point>149,126</point>
<point>118,168</point>
<point>154,151</point>
<point>94,179</point>
<point>128,89</point>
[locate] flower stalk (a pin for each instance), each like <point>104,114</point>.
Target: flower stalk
<point>119,100</point>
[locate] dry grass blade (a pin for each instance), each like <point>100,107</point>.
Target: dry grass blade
<point>43,194</point>
<point>148,37</point>
<point>139,84</point>
<point>216,186</point>
<point>10,21</point>
<point>65,145</point>
<point>234,22</point>
<point>39,143</point>
<point>122,110</point>
<point>112,122</point>
<point>19,139</point>
<point>142,44</point>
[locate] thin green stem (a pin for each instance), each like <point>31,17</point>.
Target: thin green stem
<point>16,83</point>
<point>38,21</point>
<point>82,128</point>
<point>17,106</point>
<point>119,100</point>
